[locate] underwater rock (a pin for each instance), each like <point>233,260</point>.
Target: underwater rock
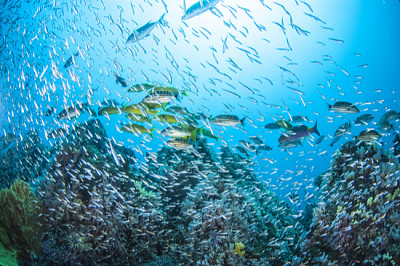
<point>356,220</point>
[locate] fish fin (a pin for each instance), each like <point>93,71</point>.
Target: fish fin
<point>125,105</point>
<point>162,21</point>
<point>218,139</point>
<point>242,121</point>
<point>151,133</point>
<point>315,129</point>
<point>193,135</point>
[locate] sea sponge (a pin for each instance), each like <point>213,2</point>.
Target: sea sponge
<point>239,249</point>
<point>20,229</point>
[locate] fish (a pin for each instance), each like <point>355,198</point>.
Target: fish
<point>284,124</point>
<point>70,60</point>
<point>120,80</point>
<point>299,119</point>
<point>319,140</point>
<point>75,111</point>
<point>109,110</point>
<point>161,89</point>
<point>364,119</point>
<point>158,99</point>
<point>336,139</point>
<point>180,132</point>
<point>368,135</point>
<point>343,130</point>
<point>384,125</point>
<point>250,147</point>
<point>344,107</point>
<point>243,151</point>
<point>141,87</point>
<point>272,126</point>
<point>138,129</point>
<point>178,110</point>
<point>227,120</point>
<point>207,133</point>
<point>145,30</point>
<point>50,111</point>
<point>114,154</point>
<point>139,118</point>
<point>168,118</point>
<point>180,144</point>
<point>198,8</point>
<point>390,116</point>
<point>175,132</point>
<point>297,133</point>
<point>56,133</point>
<point>256,140</point>
<point>290,144</point>
<point>138,109</point>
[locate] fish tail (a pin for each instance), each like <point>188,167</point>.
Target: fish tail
<point>184,92</point>
<point>151,133</point>
<point>193,135</point>
<point>329,106</point>
<point>315,130</point>
<point>162,21</point>
<point>242,121</point>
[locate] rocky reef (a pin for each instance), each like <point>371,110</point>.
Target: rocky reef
<point>358,213</point>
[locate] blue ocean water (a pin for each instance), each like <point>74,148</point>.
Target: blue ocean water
<point>263,61</point>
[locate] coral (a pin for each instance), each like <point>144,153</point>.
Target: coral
<point>239,249</point>
<point>96,212</point>
<point>20,226</point>
<point>357,218</point>
<point>24,159</point>
<point>8,257</point>
<point>227,205</point>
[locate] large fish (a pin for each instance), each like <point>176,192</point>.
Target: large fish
<point>344,107</point>
<point>364,119</point>
<point>198,8</point>
<point>144,31</point>
<point>343,130</point>
<point>74,111</point>
<point>368,135</point>
<point>297,133</point>
<point>227,120</point>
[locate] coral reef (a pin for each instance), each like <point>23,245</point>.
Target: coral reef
<point>223,203</point>
<point>96,212</point>
<point>23,159</point>
<point>178,208</point>
<point>20,228</point>
<point>358,213</point>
